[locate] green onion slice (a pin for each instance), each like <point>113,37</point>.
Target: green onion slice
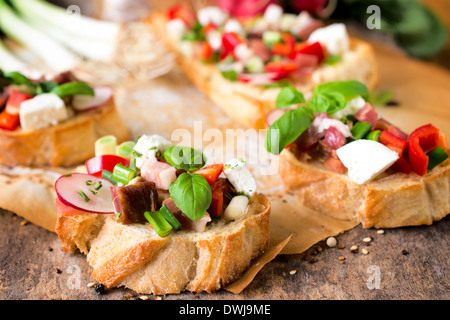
<point>105,145</point>
<point>374,135</point>
<point>168,215</point>
<point>159,223</point>
<point>125,149</point>
<point>436,157</point>
<point>360,129</point>
<point>84,196</point>
<point>123,174</point>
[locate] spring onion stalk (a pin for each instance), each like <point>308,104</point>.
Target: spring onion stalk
<point>373,135</point>
<point>52,53</point>
<point>74,24</point>
<point>108,176</point>
<point>8,62</point>
<point>95,50</point>
<point>162,227</point>
<point>168,215</point>
<point>436,157</point>
<point>360,129</point>
<point>105,145</point>
<point>125,149</point>
<point>123,174</point>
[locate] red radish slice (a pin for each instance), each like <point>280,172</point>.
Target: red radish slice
<point>84,102</point>
<point>85,192</point>
<point>261,78</point>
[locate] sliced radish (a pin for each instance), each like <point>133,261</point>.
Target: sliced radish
<point>84,102</point>
<point>261,78</point>
<point>85,192</point>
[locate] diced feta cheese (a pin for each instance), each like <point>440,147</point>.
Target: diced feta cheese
<point>236,208</point>
<point>233,25</point>
<point>288,21</point>
<point>148,146</point>
<point>334,37</point>
<point>302,21</point>
<point>214,39</point>
<point>42,111</point>
<point>212,14</point>
<point>243,52</point>
<point>352,107</point>
<point>176,28</point>
<point>240,177</point>
<point>273,14</point>
<point>365,159</point>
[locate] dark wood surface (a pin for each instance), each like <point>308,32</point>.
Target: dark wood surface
<point>405,263</point>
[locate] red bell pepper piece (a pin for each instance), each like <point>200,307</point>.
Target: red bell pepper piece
<point>182,11</point>
<point>281,66</point>
<point>230,40</point>
<point>421,141</point>
<point>281,49</point>
<point>15,98</point>
<point>9,121</point>
<point>314,49</point>
<point>395,143</point>
<point>210,173</point>
<point>96,165</point>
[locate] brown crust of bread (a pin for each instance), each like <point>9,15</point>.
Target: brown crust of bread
<point>134,256</point>
<point>62,145</point>
<point>390,201</point>
<point>249,104</point>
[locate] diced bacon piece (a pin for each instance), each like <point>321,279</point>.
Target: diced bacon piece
<point>260,49</point>
<point>306,65</point>
<point>334,138</point>
<point>367,114</point>
<point>335,165</point>
<point>323,121</point>
<point>186,223</point>
<point>161,173</point>
<point>64,210</point>
<point>383,124</point>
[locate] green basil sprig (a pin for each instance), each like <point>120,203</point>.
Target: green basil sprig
<point>184,158</point>
<point>73,88</point>
<point>192,194</point>
<point>289,96</point>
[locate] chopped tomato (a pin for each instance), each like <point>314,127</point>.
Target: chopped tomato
<point>314,49</point>
<point>421,141</point>
<point>281,66</point>
<point>96,165</point>
<point>182,11</point>
<point>9,121</point>
<point>218,190</point>
<point>282,49</point>
<point>15,99</point>
<point>230,40</point>
<point>206,51</point>
<point>209,27</point>
<point>210,173</point>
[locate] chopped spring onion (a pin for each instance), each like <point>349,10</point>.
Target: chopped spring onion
<point>159,223</point>
<point>168,215</point>
<point>123,174</point>
<point>84,196</point>
<point>105,145</point>
<point>125,149</point>
<point>8,62</point>
<point>436,157</point>
<point>374,135</point>
<point>108,176</point>
<point>360,129</point>
<point>73,88</point>
<point>51,52</point>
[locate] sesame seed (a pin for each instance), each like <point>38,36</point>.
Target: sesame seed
<point>354,249</point>
<point>293,272</point>
<point>143,297</point>
<point>367,240</point>
<point>91,284</point>
<point>381,231</point>
<point>364,251</point>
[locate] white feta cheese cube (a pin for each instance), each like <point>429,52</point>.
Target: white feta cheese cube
<point>148,146</point>
<point>273,14</point>
<point>333,37</point>
<point>240,177</point>
<point>243,52</point>
<point>214,39</point>
<point>233,25</point>
<point>176,28</point>
<point>352,107</point>
<point>211,14</point>
<point>365,159</point>
<point>42,111</point>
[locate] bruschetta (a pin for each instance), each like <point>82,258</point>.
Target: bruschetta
<point>341,159</point>
<point>53,121</point>
<point>240,64</point>
<point>154,218</point>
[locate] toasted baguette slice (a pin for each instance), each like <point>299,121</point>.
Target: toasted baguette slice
<point>134,256</point>
<point>390,201</point>
<point>62,145</point>
<point>249,104</point>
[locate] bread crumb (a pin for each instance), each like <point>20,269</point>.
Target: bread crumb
<point>364,251</point>
<point>341,258</point>
<point>91,284</point>
<point>354,249</point>
<point>24,222</point>
<point>158,298</point>
<point>331,242</point>
<point>367,240</point>
<point>143,297</point>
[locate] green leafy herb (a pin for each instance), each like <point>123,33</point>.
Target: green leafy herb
<point>231,75</point>
<point>329,102</point>
<point>73,88</point>
<point>287,129</point>
<point>184,158</point>
<point>349,89</point>
<point>45,86</point>
<point>289,96</point>
<point>192,194</point>
<point>380,98</point>
<point>332,59</point>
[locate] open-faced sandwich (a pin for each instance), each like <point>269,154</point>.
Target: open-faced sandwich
<point>155,218</point>
<point>241,63</point>
<point>53,121</point>
<point>343,160</point>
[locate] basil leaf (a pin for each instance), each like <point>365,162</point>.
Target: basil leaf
<point>332,60</point>
<point>289,96</point>
<point>192,194</point>
<point>73,88</point>
<point>231,75</point>
<point>45,86</point>
<point>287,129</point>
<point>185,158</point>
<point>349,89</point>
<point>20,79</point>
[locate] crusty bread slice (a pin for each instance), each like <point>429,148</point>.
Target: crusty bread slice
<point>389,201</point>
<point>65,144</point>
<point>249,104</point>
<point>134,256</point>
